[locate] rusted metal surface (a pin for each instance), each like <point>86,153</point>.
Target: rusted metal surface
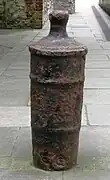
<point>57,80</point>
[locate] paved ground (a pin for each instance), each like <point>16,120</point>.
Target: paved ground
<point>15,133</point>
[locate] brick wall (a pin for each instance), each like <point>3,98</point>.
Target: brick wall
<point>23,13</point>
<point>30,13</point>
<point>68,5</point>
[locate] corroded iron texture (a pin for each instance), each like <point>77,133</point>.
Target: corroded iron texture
<point>57,80</point>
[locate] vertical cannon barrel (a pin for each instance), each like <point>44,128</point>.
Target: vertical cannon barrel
<point>57,80</point>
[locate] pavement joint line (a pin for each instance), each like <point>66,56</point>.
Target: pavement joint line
<point>12,61</point>
<point>97,104</point>
<point>100,45</point>
<point>63,175</point>
<point>6,46</point>
<point>103,36</point>
<point>15,141</point>
<point>86,112</point>
<point>8,156</point>
<point>98,68</point>
<point>99,89</point>
<point>99,126</point>
<point>96,88</point>
<point>108,57</point>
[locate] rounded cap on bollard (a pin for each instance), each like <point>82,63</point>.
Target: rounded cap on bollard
<point>58,43</point>
<point>59,17</point>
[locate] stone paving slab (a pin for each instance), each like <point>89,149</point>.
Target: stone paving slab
<point>32,175</point>
<point>43,33</point>
<point>22,147</point>
<point>96,156</point>
<point>13,39</point>
<point>7,138</point>
<point>5,162</point>
<point>97,65</point>
<point>84,30</point>
<point>97,33</point>
<point>17,116</point>
<point>16,73</point>
<point>4,49</point>
<point>77,21</point>
<point>99,52</point>
<point>6,148</point>
<point>93,160</point>
<point>12,99</point>
<point>20,51</point>
<point>85,175</point>
<point>99,114</point>
<point>97,73</point>
<point>92,83</point>
<point>4,63</point>
<point>14,84</point>
<point>10,41</point>
<point>88,40</point>
<point>22,62</point>
<point>21,163</point>
<point>20,46</point>
<point>37,38</point>
<point>2,70</point>
<point>14,92</point>
<point>90,44</point>
<point>82,34</point>
<point>20,66</point>
<point>11,57</point>
<point>97,96</point>
<point>106,45</point>
<point>77,27</point>
<point>97,57</point>
<point>109,57</point>
<point>72,25</point>
<point>3,172</point>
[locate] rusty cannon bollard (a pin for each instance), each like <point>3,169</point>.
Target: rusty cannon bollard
<point>57,79</point>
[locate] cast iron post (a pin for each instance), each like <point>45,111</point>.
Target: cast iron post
<point>57,79</point>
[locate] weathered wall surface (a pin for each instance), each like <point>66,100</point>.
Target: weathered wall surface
<point>105,4</point>
<point>30,13</point>
<point>68,5</point>
<point>23,13</point>
<point>47,7</point>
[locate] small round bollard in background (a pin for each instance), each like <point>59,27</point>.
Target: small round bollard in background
<point>57,80</point>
